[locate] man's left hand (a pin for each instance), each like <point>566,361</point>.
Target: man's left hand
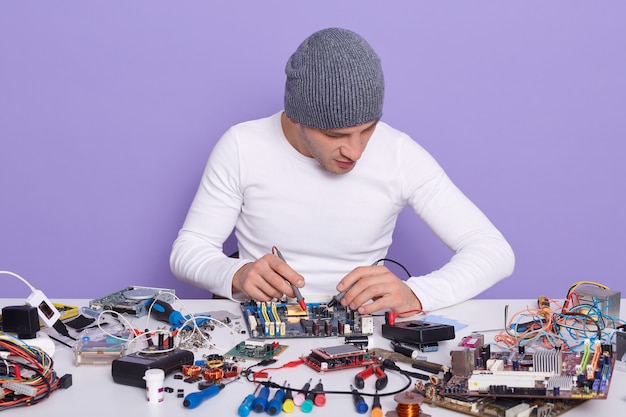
<point>379,284</point>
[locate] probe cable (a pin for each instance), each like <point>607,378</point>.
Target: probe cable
<point>387,363</point>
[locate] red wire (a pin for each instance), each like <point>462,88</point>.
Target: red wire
<point>263,374</point>
<point>391,316</point>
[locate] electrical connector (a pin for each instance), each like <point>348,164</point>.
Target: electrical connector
<point>60,327</point>
<point>65,381</point>
<point>20,388</point>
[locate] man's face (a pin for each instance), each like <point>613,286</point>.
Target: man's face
<point>336,150</point>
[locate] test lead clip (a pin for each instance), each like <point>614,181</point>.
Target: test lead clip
<point>295,289</point>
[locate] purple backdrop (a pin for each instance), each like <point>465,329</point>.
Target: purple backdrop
<point>108,111</point>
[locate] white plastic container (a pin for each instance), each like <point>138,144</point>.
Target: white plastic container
<point>154,385</point>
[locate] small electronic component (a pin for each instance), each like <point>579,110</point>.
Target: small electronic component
<point>338,357</point>
<point>277,320</point>
<point>620,339</point>
<point>360,342</point>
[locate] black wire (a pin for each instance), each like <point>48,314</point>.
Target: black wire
<point>395,262</point>
<point>60,341</point>
<point>271,384</point>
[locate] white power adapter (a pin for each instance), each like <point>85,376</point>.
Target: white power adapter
<point>48,313</point>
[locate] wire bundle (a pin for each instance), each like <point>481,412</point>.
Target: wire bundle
<point>25,370</point>
<point>569,326</point>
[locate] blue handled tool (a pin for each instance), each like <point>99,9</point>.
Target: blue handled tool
<point>260,402</point>
<point>359,402</point>
<point>246,406</point>
<point>274,406</point>
<point>164,312</point>
<point>196,398</point>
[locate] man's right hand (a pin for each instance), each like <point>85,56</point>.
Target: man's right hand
<point>266,278</point>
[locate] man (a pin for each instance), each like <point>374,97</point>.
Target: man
<point>324,180</point>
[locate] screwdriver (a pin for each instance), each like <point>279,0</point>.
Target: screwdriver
<point>275,405</point>
<point>260,402</point>
<point>359,402</point>
<point>246,405</point>
<point>301,396</point>
<point>288,405</point>
<point>196,398</point>
<point>377,410</point>
<point>164,312</point>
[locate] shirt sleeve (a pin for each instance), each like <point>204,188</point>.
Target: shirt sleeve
<point>482,256</point>
<point>197,254</point>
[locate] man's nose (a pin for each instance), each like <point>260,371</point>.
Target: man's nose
<point>353,147</point>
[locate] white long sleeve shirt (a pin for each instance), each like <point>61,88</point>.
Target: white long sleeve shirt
<point>327,224</point>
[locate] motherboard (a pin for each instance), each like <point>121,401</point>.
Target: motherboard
<point>278,320</point>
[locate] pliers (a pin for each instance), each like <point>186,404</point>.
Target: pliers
<point>381,382</point>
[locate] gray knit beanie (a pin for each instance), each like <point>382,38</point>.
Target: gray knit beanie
<point>334,80</point>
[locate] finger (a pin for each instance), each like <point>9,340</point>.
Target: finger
<point>286,272</point>
<point>362,278</point>
<point>262,283</point>
<point>378,291</point>
<point>376,305</point>
<point>261,290</point>
<point>351,278</point>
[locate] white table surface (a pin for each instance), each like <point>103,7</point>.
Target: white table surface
<point>94,393</point>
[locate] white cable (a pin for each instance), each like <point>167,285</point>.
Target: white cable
<point>33,289</point>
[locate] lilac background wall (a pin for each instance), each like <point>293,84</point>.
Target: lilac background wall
<point>109,109</point>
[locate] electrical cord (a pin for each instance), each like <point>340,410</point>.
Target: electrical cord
<point>13,274</point>
<point>395,262</point>
<point>387,364</point>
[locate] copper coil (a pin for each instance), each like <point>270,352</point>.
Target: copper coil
<point>215,363</point>
<point>214,374</point>
<point>408,404</point>
<point>408,410</point>
<point>434,380</point>
<point>192,370</point>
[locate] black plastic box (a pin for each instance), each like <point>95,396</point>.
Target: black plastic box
<point>130,369</point>
<point>418,332</point>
